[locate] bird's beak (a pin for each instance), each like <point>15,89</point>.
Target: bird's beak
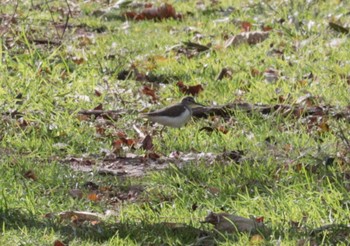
<point>196,105</point>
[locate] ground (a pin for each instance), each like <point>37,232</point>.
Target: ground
<point>80,166</point>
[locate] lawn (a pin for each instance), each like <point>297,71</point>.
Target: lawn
<point>80,166</point>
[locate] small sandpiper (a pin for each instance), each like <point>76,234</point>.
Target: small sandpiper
<point>175,115</point>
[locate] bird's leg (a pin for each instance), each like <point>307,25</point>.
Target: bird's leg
<point>161,132</point>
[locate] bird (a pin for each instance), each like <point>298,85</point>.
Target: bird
<point>176,115</point>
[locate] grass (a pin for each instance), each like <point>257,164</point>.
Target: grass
<point>293,170</point>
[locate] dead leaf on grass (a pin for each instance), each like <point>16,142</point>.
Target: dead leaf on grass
<point>152,155</point>
<point>226,72</point>
<point>254,72</point>
<point>257,239</point>
<point>213,190</point>
<point>193,90</point>
<point>149,92</point>
<point>338,28</point>
<point>93,197</point>
<point>78,60</point>
<point>147,143</point>
<point>165,11</point>
<point>234,155</point>
<point>30,174</point>
<point>271,75</point>
<point>250,38</point>
<point>190,49</point>
<point>99,107</point>
<point>76,193</point>
<point>246,26</point>
<point>58,243</point>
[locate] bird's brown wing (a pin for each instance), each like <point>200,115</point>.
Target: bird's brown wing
<point>174,110</point>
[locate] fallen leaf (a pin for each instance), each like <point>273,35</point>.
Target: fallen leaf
<point>189,90</point>
<point>234,155</point>
<point>266,28</point>
<point>30,175</point>
<point>190,49</point>
<point>271,75</point>
<point>153,156</point>
<point>250,38</point>
<point>323,126</point>
<point>149,92</point>
<point>84,41</point>
<point>195,46</point>
<point>90,185</point>
<point>147,143</point>
<point>121,134</point>
<point>99,107</point>
<point>78,60</point>
<point>58,243</point>
<point>338,28</point>
<point>100,130</point>
<point>93,197</point>
<point>225,73</point>
<point>165,11</point>
<point>76,193</point>
<point>117,144</point>
<point>246,26</point>
<point>257,239</point>
<point>213,190</point>
<point>82,117</point>
<point>255,72</point>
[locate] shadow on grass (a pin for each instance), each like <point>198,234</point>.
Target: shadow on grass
<point>138,232</point>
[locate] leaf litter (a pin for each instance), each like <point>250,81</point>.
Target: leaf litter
<point>307,108</point>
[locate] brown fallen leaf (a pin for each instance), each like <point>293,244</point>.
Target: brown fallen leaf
<point>128,142</point>
<point>226,72</point>
<point>78,60</point>
<point>195,46</point>
<point>338,28</point>
<point>153,156</point>
<point>147,143</point>
<point>255,72</point>
<point>76,193</point>
<point>266,28</point>
<point>98,93</point>
<point>165,11</point>
<point>30,175</point>
<point>93,197</point>
<point>271,75</point>
<point>257,240</point>
<point>58,243</point>
<point>189,90</point>
<point>149,92</point>
<point>225,222</point>
<point>246,26</point>
<point>99,107</point>
<point>250,38</point>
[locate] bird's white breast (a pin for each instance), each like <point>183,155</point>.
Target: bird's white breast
<point>176,122</point>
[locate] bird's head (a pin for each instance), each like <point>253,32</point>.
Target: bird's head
<point>190,102</point>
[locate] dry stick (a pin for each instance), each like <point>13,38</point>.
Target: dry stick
<point>69,10</point>
<point>342,135</point>
<point>67,19</point>
<point>53,21</point>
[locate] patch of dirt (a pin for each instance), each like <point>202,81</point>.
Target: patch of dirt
<point>135,166</point>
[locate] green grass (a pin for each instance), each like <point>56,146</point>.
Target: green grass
<point>291,171</point>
